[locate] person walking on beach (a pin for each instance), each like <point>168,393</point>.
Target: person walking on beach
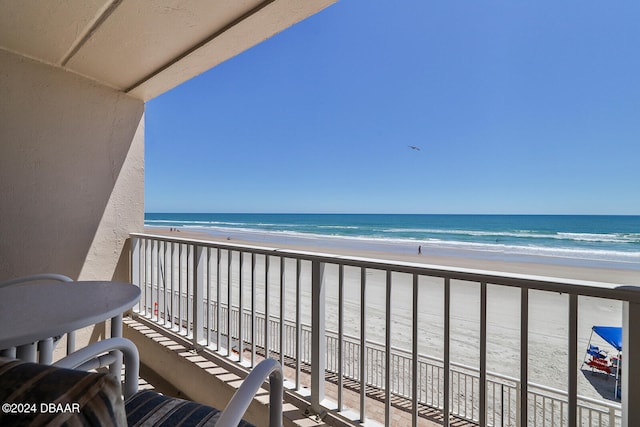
<point>420,250</point>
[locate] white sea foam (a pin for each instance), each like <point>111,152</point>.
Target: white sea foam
<point>435,245</point>
<point>529,234</point>
<point>608,237</point>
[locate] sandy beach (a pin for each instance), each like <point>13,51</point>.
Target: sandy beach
<point>548,326</point>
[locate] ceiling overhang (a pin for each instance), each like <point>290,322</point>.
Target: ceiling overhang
<point>143,47</point>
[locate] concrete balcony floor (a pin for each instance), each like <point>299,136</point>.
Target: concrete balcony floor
<point>169,365</point>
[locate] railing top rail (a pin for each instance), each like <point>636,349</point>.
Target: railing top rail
<point>543,283</point>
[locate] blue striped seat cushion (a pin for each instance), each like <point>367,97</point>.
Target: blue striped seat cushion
<point>43,395</point>
<point>148,408</point>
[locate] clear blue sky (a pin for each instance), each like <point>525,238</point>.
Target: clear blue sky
<point>517,106</point>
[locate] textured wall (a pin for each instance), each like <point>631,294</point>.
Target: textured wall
<point>71,172</point>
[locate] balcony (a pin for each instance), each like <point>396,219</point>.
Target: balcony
<point>374,342</point>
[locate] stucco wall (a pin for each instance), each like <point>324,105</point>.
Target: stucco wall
<point>71,173</point>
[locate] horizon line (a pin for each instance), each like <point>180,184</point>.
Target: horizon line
<point>389,213</point>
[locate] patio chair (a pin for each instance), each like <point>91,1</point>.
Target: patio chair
<point>65,393</point>
<point>36,277</point>
<point>45,347</point>
<point>595,352</point>
<point>600,364</point>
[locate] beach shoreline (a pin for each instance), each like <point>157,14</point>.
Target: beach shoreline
<point>538,266</point>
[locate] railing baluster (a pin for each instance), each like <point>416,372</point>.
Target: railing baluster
<point>266,306</point>
<point>188,281</point>
<point>190,288</point>
<point>229,302</point>
<point>147,279</point>
<point>218,302</point>
<point>209,296</point>
<point>159,282</point>
<point>298,322</point>
<point>199,269</point>
<point>253,310</point>
<point>447,361</point>
<point>167,275</point>
<point>154,279</point>
<point>141,274</point>
<point>509,406</point>
<point>170,278</point>
<point>387,353</point>
<point>180,287</point>
<point>318,349</point>
<point>282,305</point>
<point>363,338</point>
<point>440,397</point>
<point>241,308</point>
<point>483,354</point>
<point>462,399</point>
<point>340,334</point>
<point>494,403</point>
<point>573,359</point>
<point>523,397</point>
<point>135,265</point>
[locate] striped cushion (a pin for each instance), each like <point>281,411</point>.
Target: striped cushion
<point>148,408</point>
<point>58,397</point>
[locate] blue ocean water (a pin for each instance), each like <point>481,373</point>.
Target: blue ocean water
<point>610,241</point>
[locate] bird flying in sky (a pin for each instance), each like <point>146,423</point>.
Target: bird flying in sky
<point>413,147</point>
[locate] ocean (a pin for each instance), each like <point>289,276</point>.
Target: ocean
<point>595,240</point>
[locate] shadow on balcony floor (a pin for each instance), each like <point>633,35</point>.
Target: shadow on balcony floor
<point>294,413</point>
<point>175,366</point>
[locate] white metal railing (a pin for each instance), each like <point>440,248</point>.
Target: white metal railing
<point>184,282</point>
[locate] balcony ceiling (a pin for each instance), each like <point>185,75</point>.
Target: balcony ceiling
<point>143,47</point>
